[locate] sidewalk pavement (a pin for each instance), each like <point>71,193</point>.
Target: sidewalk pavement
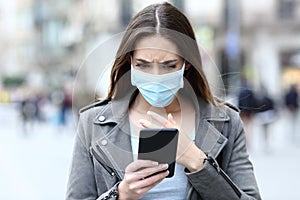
<point>277,164</point>
<point>34,165</point>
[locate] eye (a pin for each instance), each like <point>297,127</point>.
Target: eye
<point>142,65</point>
<point>170,67</point>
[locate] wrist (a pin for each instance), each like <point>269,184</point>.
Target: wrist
<point>194,159</point>
<point>121,195</point>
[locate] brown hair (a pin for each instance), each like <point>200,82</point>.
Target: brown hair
<point>167,21</point>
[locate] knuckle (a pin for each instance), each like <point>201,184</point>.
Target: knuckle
<point>139,162</point>
<point>139,192</point>
<point>150,171</point>
<point>127,178</point>
<point>131,187</point>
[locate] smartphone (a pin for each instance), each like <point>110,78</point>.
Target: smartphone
<point>159,145</point>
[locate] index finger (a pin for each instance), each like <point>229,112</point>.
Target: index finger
<point>163,121</point>
<point>168,123</point>
<point>138,164</point>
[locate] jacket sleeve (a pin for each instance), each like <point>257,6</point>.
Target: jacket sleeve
<point>82,184</point>
<point>238,182</point>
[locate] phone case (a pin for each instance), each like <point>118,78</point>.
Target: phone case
<point>159,145</point>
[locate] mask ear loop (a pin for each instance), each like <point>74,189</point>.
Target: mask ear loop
<point>183,67</point>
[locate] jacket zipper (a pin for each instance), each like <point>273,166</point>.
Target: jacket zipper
<point>230,183</point>
<point>111,171</point>
<point>214,163</point>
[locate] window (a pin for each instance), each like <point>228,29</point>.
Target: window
<point>286,9</point>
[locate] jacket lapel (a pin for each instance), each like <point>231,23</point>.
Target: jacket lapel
<point>115,144</point>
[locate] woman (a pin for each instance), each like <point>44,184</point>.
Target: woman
<point>157,81</point>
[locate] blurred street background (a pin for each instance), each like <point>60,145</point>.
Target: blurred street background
<point>50,68</point>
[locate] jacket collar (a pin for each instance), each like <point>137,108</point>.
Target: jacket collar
<point>209,123</point>
<point>117,146</point>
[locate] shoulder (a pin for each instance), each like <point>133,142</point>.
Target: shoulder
<point>227,105</point>
<point>232,107</point>
<point>231,110</point>
<point>97,104</point>
<point>87,116</point>
<point>88,113</point>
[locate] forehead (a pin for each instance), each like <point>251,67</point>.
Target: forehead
<point>155,47</point>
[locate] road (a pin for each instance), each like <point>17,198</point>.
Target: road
<point>35,165</point>
<point>277,167</point>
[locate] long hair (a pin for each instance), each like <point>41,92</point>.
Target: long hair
<point>166,21</point>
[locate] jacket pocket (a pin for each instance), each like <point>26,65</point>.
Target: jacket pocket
<point>103,163</point>
<point>105,176</point>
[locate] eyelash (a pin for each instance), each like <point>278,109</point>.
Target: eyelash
<point>170,67</point>
<point>145,65</point>
<point>142,65</point>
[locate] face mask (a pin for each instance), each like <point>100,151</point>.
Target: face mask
<point>158,90</point>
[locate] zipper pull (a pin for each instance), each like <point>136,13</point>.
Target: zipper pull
<point>213,162</point>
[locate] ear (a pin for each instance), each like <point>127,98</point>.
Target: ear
<point>187,65</point>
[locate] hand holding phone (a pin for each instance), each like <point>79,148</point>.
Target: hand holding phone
<point>159,145</point>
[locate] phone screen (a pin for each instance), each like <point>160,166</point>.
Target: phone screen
<point>159,145</point>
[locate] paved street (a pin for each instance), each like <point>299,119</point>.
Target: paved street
<point>35,166</point>
<point>277,168</point>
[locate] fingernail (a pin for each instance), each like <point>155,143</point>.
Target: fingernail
<point>164,166</point>
<point>155,163</point>
<point>167,173</point>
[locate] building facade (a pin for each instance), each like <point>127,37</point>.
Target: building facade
<point>255,39</point>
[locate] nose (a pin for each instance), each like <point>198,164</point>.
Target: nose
<point>155,70</point>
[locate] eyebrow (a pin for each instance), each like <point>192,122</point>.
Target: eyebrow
<point>164,62</point>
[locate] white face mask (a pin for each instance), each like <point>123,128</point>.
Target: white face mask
<point>158,90</point>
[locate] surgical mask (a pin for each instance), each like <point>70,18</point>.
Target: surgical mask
<point>158,90</point>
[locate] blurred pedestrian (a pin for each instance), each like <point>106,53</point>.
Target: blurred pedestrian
<point>247,104</point>
<point>266,115</point>
<point>58,99</point>
<point>291,100</point>
<point>157,81</point>
<point>65,107</point>
<point>29,112</point>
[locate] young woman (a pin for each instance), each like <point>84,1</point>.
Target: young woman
<point>157,81</point>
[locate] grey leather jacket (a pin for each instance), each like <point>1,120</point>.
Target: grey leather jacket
<point>102,150</point>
